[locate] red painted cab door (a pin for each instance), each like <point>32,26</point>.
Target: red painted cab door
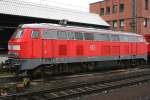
<point>133,48</point>
<point>49,41</point>
<point>36,44</point>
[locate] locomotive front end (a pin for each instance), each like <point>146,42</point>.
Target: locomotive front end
<point>15,49</point>
<point>14,44</point>
<point>25,48</point>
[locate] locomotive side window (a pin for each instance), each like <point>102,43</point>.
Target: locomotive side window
<point>88,36</point>
<point>35,34</point>
<point>18,33</point>
<point>71,35</point>
<point>78,36</point>
<point>115,38</point>
<point>102,37</point>
<point>62,35</point>
<point>49,34</point>
<point>133,39</point>
<point>124,38</point>
<point>141,39</point>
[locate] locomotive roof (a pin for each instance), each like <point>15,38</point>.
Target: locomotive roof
<point>75,28</point>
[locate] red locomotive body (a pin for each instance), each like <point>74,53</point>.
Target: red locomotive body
<point>36,45</point>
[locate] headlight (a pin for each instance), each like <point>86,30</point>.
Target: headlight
<point>16,47</point>
<point>9,47</point>
<point>13,47</point>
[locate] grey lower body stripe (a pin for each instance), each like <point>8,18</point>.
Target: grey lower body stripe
<point>28,64</point>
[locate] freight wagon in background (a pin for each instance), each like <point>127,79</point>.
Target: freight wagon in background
<point>147,37</point>
<point>71,48</point>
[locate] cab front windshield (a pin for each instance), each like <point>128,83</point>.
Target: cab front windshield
<point>18,33</point>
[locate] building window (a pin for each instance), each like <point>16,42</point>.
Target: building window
<point>108,10</point>
<point>114,8</point>
<point>146,4</point>
<point>115,25</point>
<point>145,22</point>
<point>102,11</point>
<point>121,7</point>
<point>121,25</point>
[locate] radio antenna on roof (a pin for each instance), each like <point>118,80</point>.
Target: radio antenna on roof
<point>63,22</point>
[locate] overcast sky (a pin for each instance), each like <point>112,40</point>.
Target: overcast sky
<point>82,5</point>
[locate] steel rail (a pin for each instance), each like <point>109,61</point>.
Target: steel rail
<point>113,82</point>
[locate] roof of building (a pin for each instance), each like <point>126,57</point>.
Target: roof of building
<point>21,8</point>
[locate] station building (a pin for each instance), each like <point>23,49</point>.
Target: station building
<point>125,15</point>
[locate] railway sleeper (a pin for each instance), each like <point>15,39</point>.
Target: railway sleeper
<point>96,87</point>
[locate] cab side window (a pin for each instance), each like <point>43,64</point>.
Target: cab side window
<point>141,39</point>
<point>35,34</point>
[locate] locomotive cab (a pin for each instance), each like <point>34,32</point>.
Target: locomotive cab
<point>14,44</point>
<point>23,46</point>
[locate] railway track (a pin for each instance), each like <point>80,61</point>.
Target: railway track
<point>9,79</point>
<point>84,88</point>
<point>11,82</point>
<point>13,78</point>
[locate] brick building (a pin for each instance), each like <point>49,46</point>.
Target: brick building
<point>125,15</point>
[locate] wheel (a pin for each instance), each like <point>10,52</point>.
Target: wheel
<point>91,66</point>
<point>38,72</point>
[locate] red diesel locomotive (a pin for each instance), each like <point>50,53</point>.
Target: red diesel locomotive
<point>70,48</point>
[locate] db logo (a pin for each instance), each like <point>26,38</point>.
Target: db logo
<point>92,47</point>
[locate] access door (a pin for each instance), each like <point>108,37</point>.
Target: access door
<point>133,48</point>
<point>49,43</point>
<point>36,44</point>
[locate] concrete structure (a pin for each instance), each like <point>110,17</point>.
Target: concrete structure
<point>26,9</point>
<point>125,15</point>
